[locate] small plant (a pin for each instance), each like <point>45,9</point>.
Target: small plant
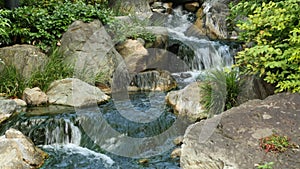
<point>268,165</point>
<point>11,82</point>
<point>216,87</point>
<point>55,69</point>
<point>275,143</point>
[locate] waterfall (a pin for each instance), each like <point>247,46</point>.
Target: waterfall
<point>207,54</point>
<point>64,132</point>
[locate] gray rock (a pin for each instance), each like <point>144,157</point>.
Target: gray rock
<point>18,151</point>
<point>130,7</point>
<point>153,81</point>
<point>234,141</point>
<point>161,34</point>
<point>253,87</point>
<point>186,102</point>
<point>7,107</point>
<point>35,96</point>
<point>211,20</point>
<point>90,49</point>
<point>25,58</point>
<point>74,92</point>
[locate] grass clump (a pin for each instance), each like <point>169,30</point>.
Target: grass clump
<point>12,83</point>
<point>219,91</point>
<point>55,69</point>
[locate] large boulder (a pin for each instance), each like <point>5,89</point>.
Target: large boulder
<point>90,49</point>
<point>7,108</point>
<point>74,92</point>
<point>35,96</point>
<point>233,142</point>
<point>26,58</point>
<point>185,102</point>
<point>18,151</point>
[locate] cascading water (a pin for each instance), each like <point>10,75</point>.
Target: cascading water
<point>205,54</point>
<point>65,132</point>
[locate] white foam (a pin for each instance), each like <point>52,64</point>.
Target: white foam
<point>75,149</point>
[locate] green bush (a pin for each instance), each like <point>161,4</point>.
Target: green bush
<point>274,31</point>
<point>43,24</point>
<point>220,90</point>
<point>4,26</point>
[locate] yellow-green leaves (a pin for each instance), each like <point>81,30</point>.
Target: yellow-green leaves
<point>274,29</point>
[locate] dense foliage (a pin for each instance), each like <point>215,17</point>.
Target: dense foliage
<point>272,33</point>
<point>43,22</point>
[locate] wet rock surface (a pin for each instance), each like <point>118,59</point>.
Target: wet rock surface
<point>156,80</point>
<point>186,103</point>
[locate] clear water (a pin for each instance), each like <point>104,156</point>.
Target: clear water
<point>70,145</point>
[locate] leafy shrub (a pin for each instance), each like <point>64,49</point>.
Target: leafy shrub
<point>220,87</point>
<point>43,23</point>
<point>274,28</point>
<point>4,26</point>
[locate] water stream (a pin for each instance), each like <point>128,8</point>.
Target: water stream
<point>70,144</point>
